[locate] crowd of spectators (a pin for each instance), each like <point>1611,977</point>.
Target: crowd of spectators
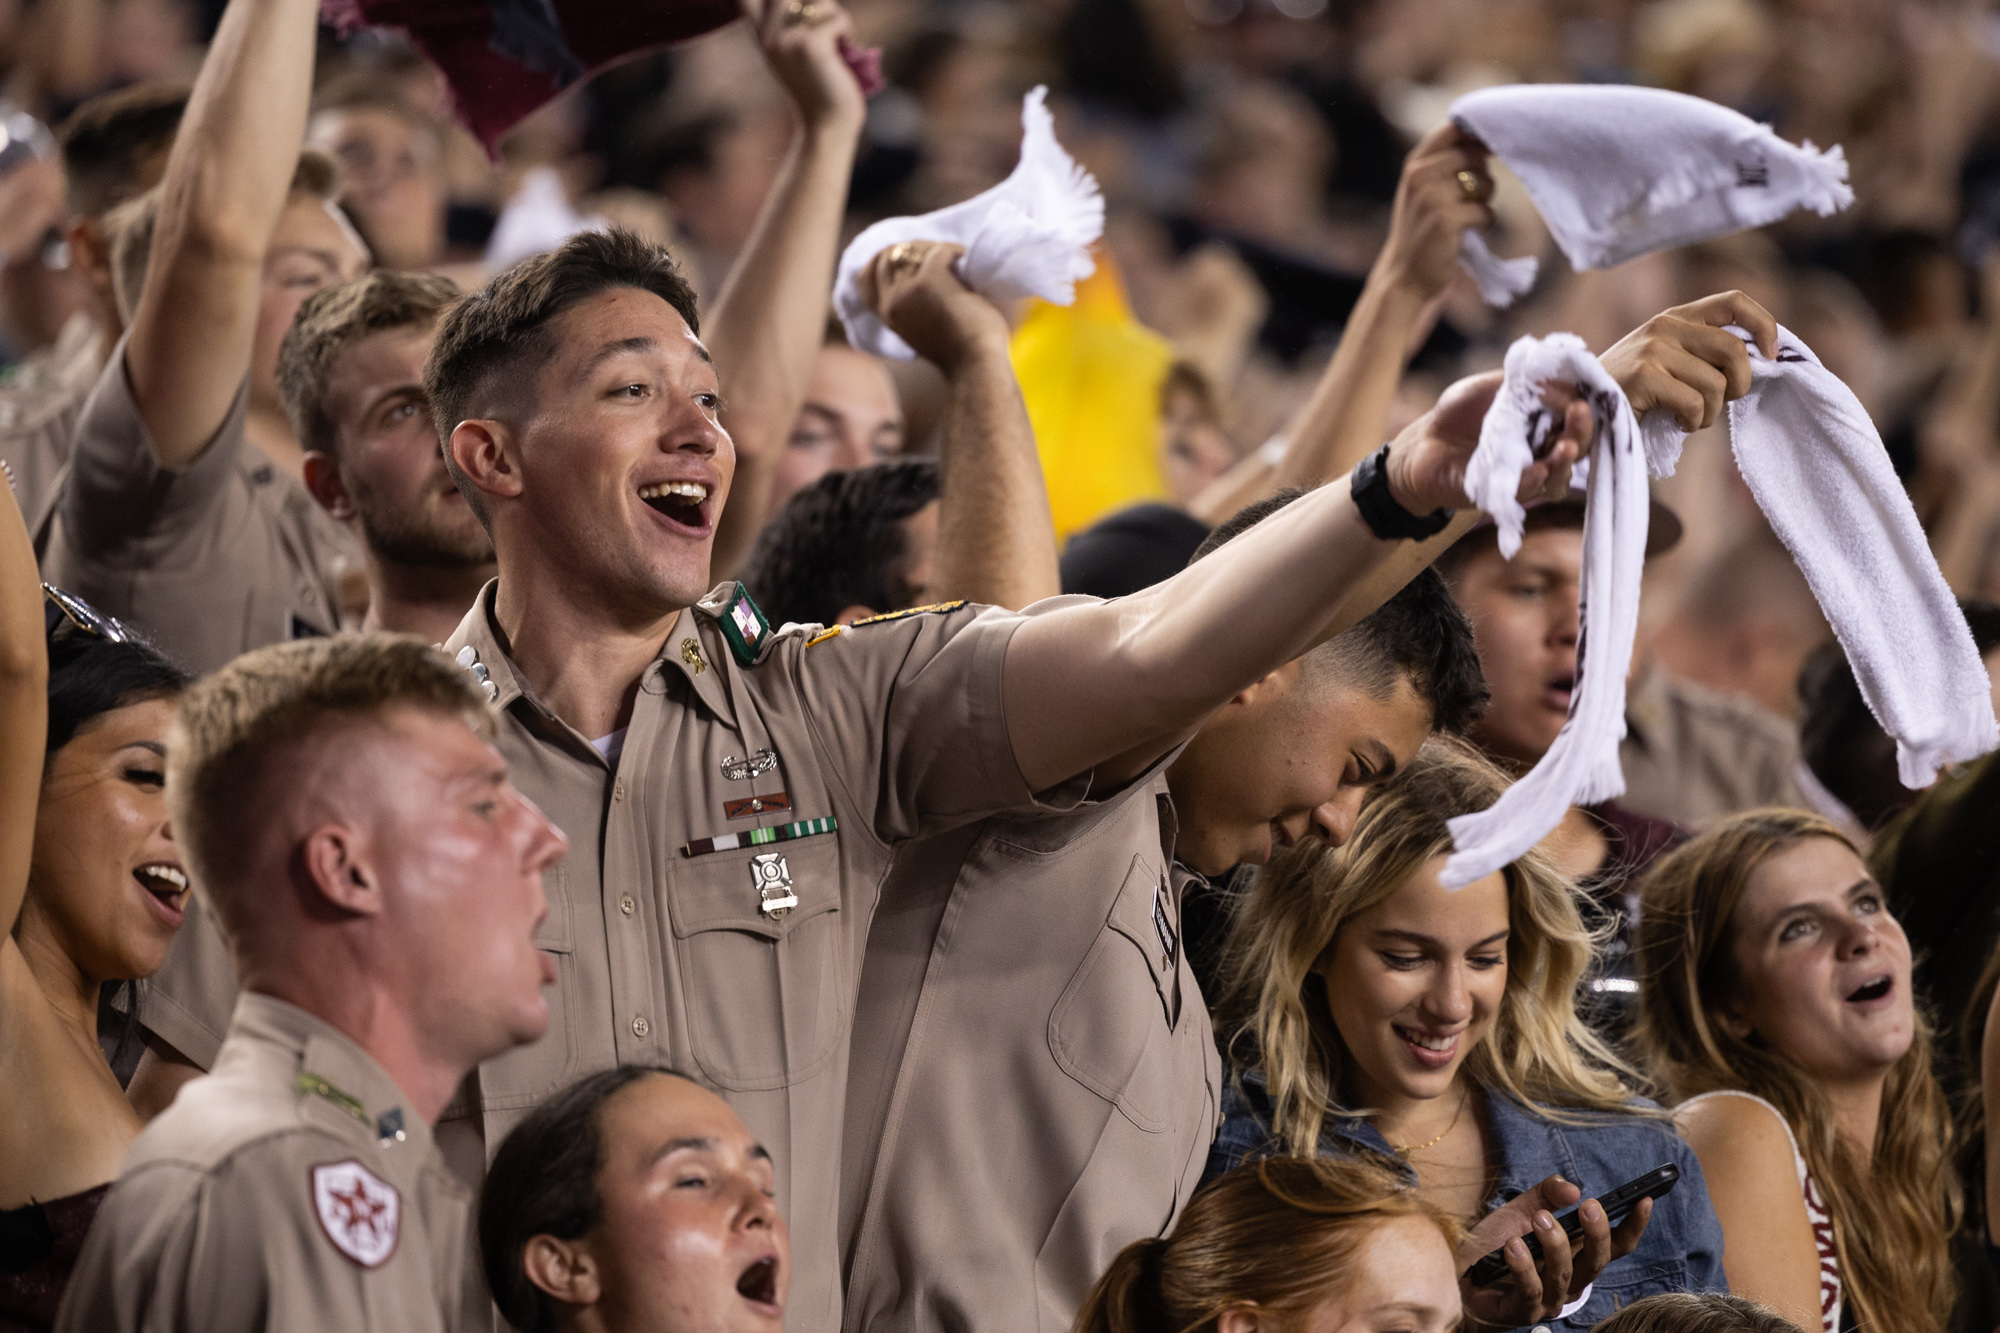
<point>540,784</point>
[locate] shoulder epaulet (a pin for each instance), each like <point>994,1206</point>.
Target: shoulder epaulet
<point>312,1085</point>
<point>742,625</point>
<point>934,609</point>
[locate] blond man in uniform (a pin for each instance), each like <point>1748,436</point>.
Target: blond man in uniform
<point>380,882</point>
<point>182,510</point>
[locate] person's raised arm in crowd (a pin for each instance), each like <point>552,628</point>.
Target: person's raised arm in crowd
<point>1444,190</point>
<point>770,319</point>
<point>996,536</point>
<point>228,180</point>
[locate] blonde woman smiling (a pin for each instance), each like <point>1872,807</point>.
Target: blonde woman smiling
<point>1370,1012</point>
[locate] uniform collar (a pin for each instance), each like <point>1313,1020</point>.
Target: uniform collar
<point>475,645</point>
<point>697,650</point>
<point>337,1079</point>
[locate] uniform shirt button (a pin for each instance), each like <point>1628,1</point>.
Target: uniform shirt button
<point>626,905</point>
<point>618,790</point>
<point>640,1027</point>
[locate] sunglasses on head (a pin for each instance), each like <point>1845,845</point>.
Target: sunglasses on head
<point>67,609</point>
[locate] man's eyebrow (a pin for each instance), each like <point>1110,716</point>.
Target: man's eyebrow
<point>618,348</point>
<point>410,389</point>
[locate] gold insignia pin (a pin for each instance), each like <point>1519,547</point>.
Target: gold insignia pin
<point>691,654</point>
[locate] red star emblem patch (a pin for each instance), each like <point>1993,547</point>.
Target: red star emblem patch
<point>358,1210</point>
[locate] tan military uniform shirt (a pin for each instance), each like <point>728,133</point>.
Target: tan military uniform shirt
<point>1692,756</point>
<point>222,556</point>
<point>1034,1080</point>
<point>290,1189</point>
<point>40,401</point>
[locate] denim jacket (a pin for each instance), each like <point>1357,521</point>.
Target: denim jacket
<point>1681,1249</point>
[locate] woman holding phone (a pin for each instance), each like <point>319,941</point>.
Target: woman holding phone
<point>1370,1012</point>
<point>1776,1009</point>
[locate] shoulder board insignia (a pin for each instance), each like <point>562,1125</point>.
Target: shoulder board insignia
<point>312,1085</point>
<point>743,626</point>
<point>830,632</point>
<point>934,609</point>
<point>358,1210</point>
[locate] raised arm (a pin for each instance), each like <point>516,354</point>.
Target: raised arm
<point>24,706</point>
<point>996,536</point>
<point>227,180</point>
<point>1341,423</point>
<point>768,323</point>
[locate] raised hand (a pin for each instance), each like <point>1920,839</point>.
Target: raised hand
<point>912,287</point>
<point>1445,189</point>
<point>1427,461</point>
<point>1683,360</point>
<point>802,41</point>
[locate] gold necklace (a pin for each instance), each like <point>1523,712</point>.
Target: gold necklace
<point>1419,1147</point>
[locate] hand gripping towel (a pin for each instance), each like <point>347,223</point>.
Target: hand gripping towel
<point>1816,466</point>
<point>1030,235</point>
<point>1618,172</point>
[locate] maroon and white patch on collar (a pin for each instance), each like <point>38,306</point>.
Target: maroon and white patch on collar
<point>358,1210</point>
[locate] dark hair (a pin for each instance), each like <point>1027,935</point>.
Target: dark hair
<point>839,543</point>
<point>499,336</point>
<point>333,319</point>
<point>1696,1312</point>
<point>1843,744</point>
<point>543,1181</point>
<point>1419,634</point>
<point>106,141</point>
<point>89,677</point>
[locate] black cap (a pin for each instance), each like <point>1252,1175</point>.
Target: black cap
<point>1132,549</point>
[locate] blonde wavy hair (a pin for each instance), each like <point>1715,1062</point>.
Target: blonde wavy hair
<point>1894,1215</point>
<point>1272,1010</point>
<point>1283,1233</point>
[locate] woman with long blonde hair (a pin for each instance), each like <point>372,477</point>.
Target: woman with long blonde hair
<point>1370,1012</point>
<point>1776,1011</point>
<point>1287,1243</point>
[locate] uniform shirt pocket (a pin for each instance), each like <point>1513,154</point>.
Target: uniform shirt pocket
<point>525,1076</point>
<point>766,994</point>
<point>1112,1029</point>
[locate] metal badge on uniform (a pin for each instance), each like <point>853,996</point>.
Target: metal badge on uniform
<point>389,1128</point>
<point>773,877</point>
<point>756,766</point>
<point>744,626</point>
<point>358,1210</point>
<point>468,657</point>
<point>691,656</point>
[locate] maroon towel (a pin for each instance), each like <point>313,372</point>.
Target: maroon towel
<point>505,58</point>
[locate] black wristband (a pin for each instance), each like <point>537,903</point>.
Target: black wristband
<point>1385,518</point>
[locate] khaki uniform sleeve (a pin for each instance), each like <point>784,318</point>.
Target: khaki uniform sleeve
<point>908,713</point>
<point>188,1002</point>
<point>118,500</point>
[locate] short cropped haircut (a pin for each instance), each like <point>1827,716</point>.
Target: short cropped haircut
<point>107,140</point>
<point>331,321</point>
<point>839,543</point>
<point>496,342</point>
<point>1696,1312</point>
<point>543,1182</point>
<point>131,225</point>
<point>238,733</point>
<point>1420,634</point>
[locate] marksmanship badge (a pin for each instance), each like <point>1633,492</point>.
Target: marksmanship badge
<point>358,1211</point>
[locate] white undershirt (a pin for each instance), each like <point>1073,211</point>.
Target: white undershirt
<point>610,746</point>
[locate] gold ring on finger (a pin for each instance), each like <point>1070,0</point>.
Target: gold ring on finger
<point>804,11</point>
<point>905,255</point>
<point>1472,186</point>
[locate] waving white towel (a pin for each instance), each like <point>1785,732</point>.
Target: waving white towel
<point>1812,459</point>
<point>1030,235</point>
<point>1619,171</point>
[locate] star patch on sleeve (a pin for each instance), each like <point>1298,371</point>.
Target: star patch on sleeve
<point>358,1211</point>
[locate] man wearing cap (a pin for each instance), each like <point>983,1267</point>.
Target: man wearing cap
<point>347,817</point>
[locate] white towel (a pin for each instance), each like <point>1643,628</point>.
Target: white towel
<point>1816,466</point>
<point>536,220</point>
<point>1030,235</point>
<point>1618,172</point>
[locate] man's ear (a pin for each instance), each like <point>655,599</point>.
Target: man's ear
<point>565,1269</point>
<point>1270,687</point>
<point>484,452</point>
<point>849,614</point>
<point>336,859</point>
<point>323,479</point>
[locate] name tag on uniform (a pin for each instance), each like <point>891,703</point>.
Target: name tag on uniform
<point>1160,921</point>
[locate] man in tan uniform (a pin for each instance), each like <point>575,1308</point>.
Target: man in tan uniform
<point>114,147</point>
<point>170,517</point>
<point>381,912</point>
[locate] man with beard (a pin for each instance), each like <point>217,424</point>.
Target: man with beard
<point>351,373</point>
